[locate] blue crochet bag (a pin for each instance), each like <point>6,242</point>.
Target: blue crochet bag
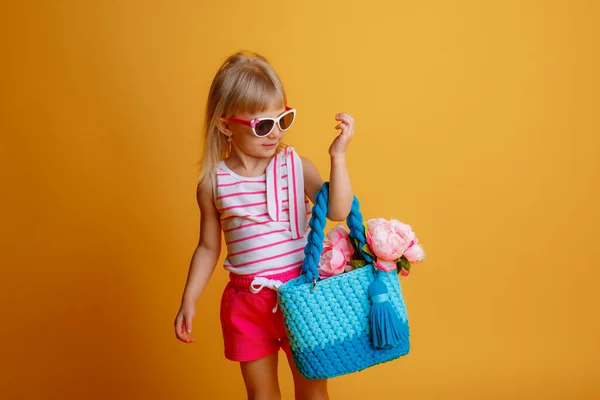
<point>345,323</point>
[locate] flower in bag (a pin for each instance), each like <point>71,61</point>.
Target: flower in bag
<point>340,238</point>
<point>415,253</point>
<point>384,265</point>
<point>333,260</point>
<point>388,240</point>
<point>394,245</point>
<point>337,252</point>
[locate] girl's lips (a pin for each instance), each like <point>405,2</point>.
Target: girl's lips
<point>270,145</point>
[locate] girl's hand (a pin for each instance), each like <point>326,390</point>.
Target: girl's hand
<point>341,142</point>
<point>183,323</point>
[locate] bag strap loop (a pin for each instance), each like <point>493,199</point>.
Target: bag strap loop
<point>314,245</point>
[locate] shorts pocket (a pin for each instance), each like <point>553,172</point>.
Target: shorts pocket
<point>226,300</point>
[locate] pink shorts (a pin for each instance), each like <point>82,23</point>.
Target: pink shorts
<point>251,330</point>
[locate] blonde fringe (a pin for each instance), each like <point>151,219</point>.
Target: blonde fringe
<point>245,82</point>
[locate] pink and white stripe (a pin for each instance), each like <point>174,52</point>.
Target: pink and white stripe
<point>264,219</point>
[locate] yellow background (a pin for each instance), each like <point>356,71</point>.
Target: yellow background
<point>476,122</point>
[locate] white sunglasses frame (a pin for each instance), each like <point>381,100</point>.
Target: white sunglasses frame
<point>252,123</point>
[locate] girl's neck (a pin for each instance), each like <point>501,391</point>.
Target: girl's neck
<point>245,165</point>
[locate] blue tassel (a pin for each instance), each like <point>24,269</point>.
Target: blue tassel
<point>385,323</point>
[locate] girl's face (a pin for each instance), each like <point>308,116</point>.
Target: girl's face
<point>244,138</point>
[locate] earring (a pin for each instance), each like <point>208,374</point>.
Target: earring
<point>228,139</point>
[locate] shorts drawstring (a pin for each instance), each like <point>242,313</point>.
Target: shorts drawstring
<point>261,282</point>
<point>254,284</point>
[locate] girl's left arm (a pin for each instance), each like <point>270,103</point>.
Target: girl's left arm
<point>340,189</point>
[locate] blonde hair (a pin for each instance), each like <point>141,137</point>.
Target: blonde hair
<point>245,83</point>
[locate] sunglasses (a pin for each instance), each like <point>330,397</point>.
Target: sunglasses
<point>264,126</point>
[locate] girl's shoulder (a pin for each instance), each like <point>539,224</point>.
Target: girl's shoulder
<point>205,190</point>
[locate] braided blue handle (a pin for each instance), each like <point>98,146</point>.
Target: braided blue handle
<point>314,245</point>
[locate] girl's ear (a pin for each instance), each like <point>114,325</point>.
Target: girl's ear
<point>223,127</point>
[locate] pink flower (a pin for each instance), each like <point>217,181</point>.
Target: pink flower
<point>340,238</point>
<point>384,265</point>
<point>388,240</point>
<point>415,253</point>
<point>332,260</point>
<point>404,273</point>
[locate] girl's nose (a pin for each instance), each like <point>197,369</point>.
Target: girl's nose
<point>275,133</point>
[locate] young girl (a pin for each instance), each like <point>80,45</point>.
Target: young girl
<point>254,189</point>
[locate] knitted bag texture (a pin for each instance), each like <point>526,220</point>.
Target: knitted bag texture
<point>328,320</point>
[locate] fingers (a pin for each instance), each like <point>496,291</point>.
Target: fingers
<point>345,118</point>
<point>342,140</point>
<point>188,325</point>
<point>346,124</point>
<point>178,325</point>
<point>182,329</point>
<point>344,127</point>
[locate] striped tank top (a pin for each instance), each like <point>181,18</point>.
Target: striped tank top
<point>265,218</point>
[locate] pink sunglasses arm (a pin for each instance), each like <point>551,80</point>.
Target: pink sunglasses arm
<point>244,121</point>
<point>253,122</point>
